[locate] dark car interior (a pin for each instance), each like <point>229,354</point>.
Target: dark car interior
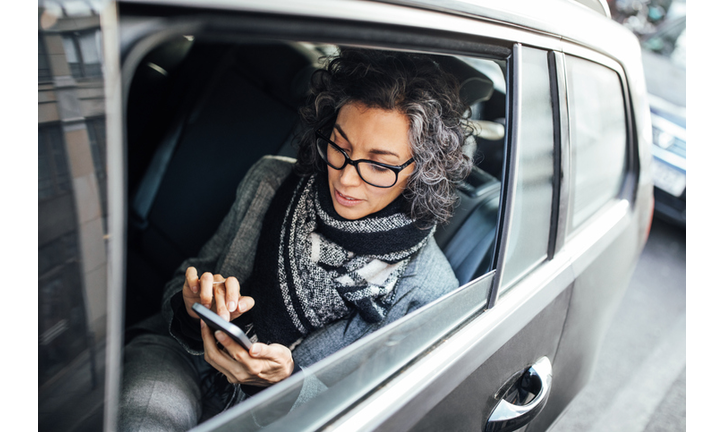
<point>200,113</point>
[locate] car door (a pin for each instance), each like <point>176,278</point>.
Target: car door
<point>502,335</point>
<point>525,331</point>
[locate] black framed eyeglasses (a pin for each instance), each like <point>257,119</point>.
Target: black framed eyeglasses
<point>377,174</point>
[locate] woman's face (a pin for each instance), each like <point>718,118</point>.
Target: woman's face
<point>374,134</point>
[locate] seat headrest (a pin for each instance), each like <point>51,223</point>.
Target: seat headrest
<point>476,89</point>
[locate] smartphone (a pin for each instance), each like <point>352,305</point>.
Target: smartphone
<point>217,323</point>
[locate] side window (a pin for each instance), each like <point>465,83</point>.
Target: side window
<point>598,136</point>
<point>531,219</point>
<point>339,376</point>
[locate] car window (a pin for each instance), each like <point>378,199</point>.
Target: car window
<point>531,208</point>
<point>598,136</point>
<point>468,241</point>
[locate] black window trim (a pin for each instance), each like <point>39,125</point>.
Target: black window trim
<point>510,170</point>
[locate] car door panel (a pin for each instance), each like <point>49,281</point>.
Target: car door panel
<point>357,370</point>
<point>468,407</point>
<point>595,296</point>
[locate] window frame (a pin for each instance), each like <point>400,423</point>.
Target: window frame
<point>512,165</point>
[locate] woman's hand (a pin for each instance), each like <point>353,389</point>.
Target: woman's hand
<point>217,293</point>
<point>262,366</point>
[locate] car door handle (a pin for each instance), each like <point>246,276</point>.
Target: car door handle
<point>508,416</point>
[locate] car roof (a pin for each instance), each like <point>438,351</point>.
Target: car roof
<point>567,20</point>
<point>570,19</point>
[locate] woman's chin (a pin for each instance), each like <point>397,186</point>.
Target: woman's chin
<point>349,212</point>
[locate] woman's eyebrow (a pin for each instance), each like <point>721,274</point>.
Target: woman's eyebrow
<point>373,151</point>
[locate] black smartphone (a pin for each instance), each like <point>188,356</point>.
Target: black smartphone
<point>217,323</point>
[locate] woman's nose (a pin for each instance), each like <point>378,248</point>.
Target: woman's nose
<point>349,176</point>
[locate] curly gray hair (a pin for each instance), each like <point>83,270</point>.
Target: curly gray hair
<point>414,85</point>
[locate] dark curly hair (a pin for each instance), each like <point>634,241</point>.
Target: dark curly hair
<point>416,86</point>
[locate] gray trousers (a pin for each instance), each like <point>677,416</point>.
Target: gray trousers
<point>164,387</point>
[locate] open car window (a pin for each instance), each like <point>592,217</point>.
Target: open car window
<point>218,104</point>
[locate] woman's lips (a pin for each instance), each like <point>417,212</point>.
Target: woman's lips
<point>345,200</point>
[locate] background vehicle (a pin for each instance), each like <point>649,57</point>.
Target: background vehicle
<point>133,96</point>
<point>664,59</point>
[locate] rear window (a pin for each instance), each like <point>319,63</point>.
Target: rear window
<point>598,136</point>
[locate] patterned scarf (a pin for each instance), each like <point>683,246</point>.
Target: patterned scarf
<point>314,267</point>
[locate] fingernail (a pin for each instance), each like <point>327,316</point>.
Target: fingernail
<point>203,324</point>
<point>242,306</point>
<point>195,289</point>
<point>231,306</point>
<point>220,336</point>
<point>254,350</point>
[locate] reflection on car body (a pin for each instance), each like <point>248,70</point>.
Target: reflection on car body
<point>133,95</point>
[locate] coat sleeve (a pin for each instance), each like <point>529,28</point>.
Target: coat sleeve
<point>232,247</point>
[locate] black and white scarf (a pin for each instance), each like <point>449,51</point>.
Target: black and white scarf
<point>313,267</point>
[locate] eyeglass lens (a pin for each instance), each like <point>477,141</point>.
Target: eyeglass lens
<point>371,173</point>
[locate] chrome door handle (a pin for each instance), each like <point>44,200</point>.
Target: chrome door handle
<point>507,416</point>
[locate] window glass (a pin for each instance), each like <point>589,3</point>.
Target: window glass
<point>72,258</point>
<point>530,225</point>
<point>43,64</point>
<point>53,174</point>
<point>89,48</point>
<point>598,136</point>
<point>82,50</point>
<point>71,55</point>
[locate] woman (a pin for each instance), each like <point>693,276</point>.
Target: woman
<point>314,254</point>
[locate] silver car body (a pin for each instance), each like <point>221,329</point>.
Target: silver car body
<point>445,366</point>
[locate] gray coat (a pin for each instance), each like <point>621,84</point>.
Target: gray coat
<point>231,251</point>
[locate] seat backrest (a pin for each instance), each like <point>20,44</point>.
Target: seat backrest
<point>468,240</point>
<point>240,109</point>
<point>247,111</point>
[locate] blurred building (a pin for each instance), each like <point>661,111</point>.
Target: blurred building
<point>72,215</point>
